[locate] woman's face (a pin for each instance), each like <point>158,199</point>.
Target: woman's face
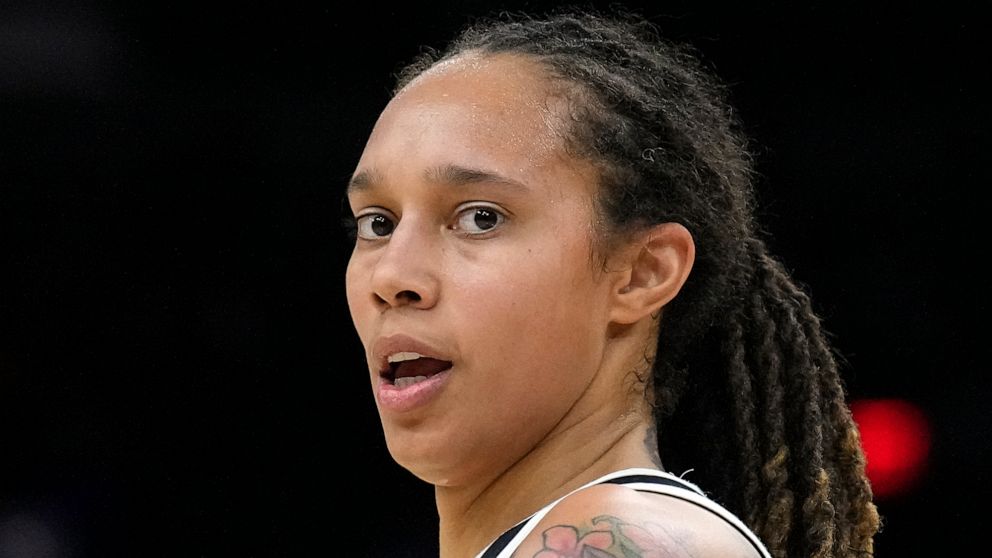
<point>473,269</point>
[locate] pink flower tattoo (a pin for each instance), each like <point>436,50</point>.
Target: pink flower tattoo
<point>563,541</point>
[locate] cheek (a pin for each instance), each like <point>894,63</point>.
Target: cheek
<point>356,294</point>
<point>535,307</point>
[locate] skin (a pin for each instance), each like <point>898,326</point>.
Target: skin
<point>545,342</point>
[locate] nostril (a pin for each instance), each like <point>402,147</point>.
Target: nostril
<point>401,298</point>
<point>408,295</point>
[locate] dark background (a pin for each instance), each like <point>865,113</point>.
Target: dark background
<point>178,372</point>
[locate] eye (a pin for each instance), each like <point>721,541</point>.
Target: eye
<point>478,220</point>
<point>374,226</point>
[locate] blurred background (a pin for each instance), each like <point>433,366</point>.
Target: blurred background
<point>178,372</point>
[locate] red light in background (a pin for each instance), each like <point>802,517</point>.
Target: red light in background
<point>895,435</point>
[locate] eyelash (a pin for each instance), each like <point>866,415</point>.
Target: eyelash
<point>355,224</point>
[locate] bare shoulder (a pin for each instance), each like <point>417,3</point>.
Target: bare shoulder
<point>612,521</point>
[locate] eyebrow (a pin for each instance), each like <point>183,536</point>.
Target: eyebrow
<point>453,175</point>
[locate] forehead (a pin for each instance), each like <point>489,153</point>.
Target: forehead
<point>500,105</point>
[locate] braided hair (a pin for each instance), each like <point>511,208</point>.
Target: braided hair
<point>746,387</point>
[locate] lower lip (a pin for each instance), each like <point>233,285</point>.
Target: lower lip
<point>400,400</point>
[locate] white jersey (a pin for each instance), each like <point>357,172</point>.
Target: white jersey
<point>644,480</point>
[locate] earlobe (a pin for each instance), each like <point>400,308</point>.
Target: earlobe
<point>659,262</point>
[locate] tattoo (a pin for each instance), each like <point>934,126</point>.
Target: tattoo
<point>612,538</point>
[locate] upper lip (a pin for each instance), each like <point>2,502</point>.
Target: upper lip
<point>399,343</point>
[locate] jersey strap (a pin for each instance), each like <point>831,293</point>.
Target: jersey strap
<point>640,479</point>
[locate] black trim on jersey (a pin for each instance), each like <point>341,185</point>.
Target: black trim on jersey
<point>503,540</point>
<point>671,482</point>
<point>627,479</point>
<point>501,543</point>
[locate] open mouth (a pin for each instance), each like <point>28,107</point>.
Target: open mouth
<point>408,368</point>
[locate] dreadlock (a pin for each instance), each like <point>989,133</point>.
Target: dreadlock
<point>746,386</point>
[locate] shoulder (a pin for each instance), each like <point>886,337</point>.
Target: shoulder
<point>609,520</point>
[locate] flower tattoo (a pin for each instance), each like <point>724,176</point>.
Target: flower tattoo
<point>611,537</point>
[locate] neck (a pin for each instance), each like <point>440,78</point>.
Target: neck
<point>592,440</point>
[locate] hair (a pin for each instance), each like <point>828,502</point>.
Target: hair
<point>746,385</point>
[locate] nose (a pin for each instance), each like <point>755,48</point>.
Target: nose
<point>406,274</point>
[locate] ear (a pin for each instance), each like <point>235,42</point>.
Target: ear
<point>657,264</point>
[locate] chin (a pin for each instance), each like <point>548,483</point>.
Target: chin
<point>432,466</point>
<point>424,461</point>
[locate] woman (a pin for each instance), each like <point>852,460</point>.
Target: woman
<point>573,329</point>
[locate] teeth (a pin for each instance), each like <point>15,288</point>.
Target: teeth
<point>408,381</point>
<point>402,357</point>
